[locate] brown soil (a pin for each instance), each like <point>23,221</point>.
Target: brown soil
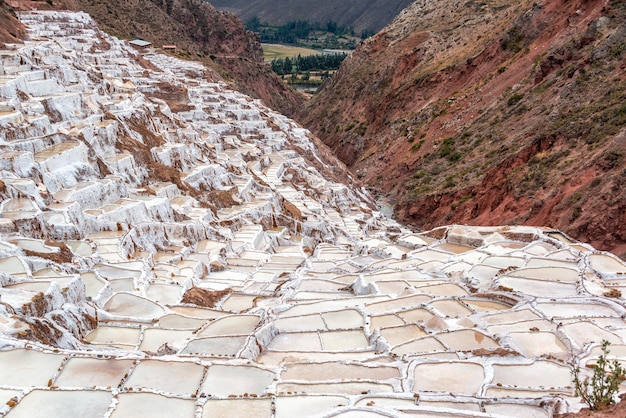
<point>63,255</point>
<point>11,30</point>
<point>204,297</point>
<point>614,411</point>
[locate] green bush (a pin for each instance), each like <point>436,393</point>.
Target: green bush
<point>514,99</point>
<point>598,392</point>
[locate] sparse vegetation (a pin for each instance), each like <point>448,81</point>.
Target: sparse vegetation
<point>513,40</point>
<point>514,99</point>
<point>417,145</point>
<point>598,391</point>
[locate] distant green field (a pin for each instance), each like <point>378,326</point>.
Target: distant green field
<point>275,51</point>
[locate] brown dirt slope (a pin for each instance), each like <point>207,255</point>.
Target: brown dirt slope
<point>11,30</point>
<point>490,112</point>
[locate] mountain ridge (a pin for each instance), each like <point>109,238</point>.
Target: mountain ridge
<point>371,15</point>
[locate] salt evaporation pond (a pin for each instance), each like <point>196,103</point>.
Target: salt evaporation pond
<point>300,298</point>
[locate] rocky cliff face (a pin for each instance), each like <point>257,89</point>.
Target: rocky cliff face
<point>489,113</point>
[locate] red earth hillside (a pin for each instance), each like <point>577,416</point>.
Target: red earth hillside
<point>490,113</point>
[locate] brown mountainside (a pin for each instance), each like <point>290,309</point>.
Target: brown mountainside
<point>372,15</point>
<point>10,28</point>
<point>490,112</point>
<point>202,32</point>
<point>199,31</point>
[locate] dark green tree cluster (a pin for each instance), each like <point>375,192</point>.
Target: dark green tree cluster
<point>320,62</point>
<point>291,32</point>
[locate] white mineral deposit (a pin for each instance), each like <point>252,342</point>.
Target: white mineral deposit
<point>197,256</point>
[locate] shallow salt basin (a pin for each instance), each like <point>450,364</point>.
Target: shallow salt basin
<point>586,332</point>
<point>112,272</point>
<point>229,408</point>
<point>347,388</point>
<point>327,306</point>
<point>402,334</point>
<point>416,315</point>
<point>312,322</point>
<point>154,338</point>
<point>552,273</point>
<point>27,368</point>
<point>537,344</point>
<point>200,313</point>
<point>485,305</point>
<point>452,248</point>
<point>455,377</point>
<point>93,285</point>
<point>451,308</point>
<point>239,302</point>
<point>231,325</point>
<point>467,340</point>
<point>40,285</point>
<point>89,372</point>
<point>225,380</point>
<point>63,404</point>
<point>420,346</point>
<point>503,262</point>
<point>172,377</point>
<point>164,293</point>
<point>337,371</point>
<point>607,264</point>
<point>215,346</point>
<point>35,245</point>
<point>300,406</point>
<point>538,287</point>
<point>12,265</point>
<point>444,289</point>
<point>509,317</point>
<point>540,374</point>
<point>527,411</point>
<point>152,405</point>
<point>398,304</point>
<point>174,321</point>
<point>114,335</point>
<point>126,304</point>
<point>566,310</point>
<point>122,285</point>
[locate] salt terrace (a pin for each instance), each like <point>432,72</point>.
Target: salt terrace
<point>171,247</point>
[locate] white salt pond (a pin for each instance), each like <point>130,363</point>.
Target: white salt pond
<point>303,299</point>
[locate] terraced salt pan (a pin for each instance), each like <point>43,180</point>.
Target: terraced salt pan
<point>340,312</point>
<point>170,377</point>
<point>63,403</point>
<point>461,378</point>
<point>152,405</point>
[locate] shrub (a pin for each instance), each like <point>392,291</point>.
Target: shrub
<point>598,392</point>
<point>417,145</point>
<point>514,99</point>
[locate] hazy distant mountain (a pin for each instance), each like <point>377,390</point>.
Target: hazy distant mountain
<point>372,15</point>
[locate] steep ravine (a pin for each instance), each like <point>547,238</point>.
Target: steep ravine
<point>489,113</point>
